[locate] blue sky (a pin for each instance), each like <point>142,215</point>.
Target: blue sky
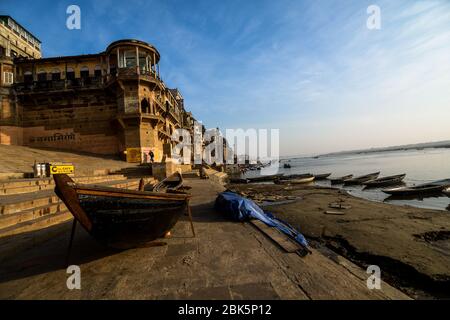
<point>309,68</point>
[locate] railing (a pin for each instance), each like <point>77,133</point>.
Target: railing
<point>91,82</point>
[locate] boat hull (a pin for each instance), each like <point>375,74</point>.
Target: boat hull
<point>128,223</point>
<point>383,182</point>
<point>321,176</point>
<point>341,179</point>
<point>361,179</point>
<point>405,191</point>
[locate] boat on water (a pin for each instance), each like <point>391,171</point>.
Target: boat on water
<point>286,166</point>
<point>295,179</point>
<point>121,218</point>
<point>385,181</point>
<point>169,184</point>
<point>361,179</point>
<point>447,192</point>
<point>430,188</point>
<point>321,176</point>
<point>341,179</point>
<point>264,178</point>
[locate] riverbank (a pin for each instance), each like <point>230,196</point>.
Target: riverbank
<point>226,260</point>
<point>411,245</point>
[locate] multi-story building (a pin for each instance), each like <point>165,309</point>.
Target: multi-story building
<point>113,102</point>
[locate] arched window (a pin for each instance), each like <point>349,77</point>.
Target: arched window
<point>42,75</point>
<point>70,74</point>
<point>84,72</point>
<point>98,71</point>
<point>56,74</point>
<point>27,77</point>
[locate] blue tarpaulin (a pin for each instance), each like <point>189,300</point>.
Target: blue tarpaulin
<point>239,208</point>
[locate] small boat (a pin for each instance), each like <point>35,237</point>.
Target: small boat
<point>341,179</point>
<point>361,179</point>
<point>286,166</point>
<point>321,176</point>
<point>265,178</point>
<point>447,191</point>
<point>238,180</point>
<point>171,183</point>
<point>295,179</point>
<point>436,187</point>
<point>121,218</point>
<point>385,181</point>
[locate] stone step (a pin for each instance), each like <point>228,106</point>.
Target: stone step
<point>32,185</point>
<point>20,202</point>
<point>39,223</point>
<point>7,220</point>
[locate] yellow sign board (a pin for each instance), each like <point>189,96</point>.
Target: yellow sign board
<point>61,169</point>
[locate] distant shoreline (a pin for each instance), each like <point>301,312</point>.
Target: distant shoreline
<point>422,146</point>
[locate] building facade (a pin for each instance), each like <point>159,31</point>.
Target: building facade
<point>111,103</point>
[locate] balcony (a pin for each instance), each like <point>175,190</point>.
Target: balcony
<point>58,85</point>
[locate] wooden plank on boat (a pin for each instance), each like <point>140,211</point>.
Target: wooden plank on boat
<point>281,239</point>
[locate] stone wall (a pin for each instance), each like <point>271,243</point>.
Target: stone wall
<point>81,122</point>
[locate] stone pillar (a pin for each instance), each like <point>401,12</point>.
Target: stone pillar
<point>118,60</point>
<point>137,60</point>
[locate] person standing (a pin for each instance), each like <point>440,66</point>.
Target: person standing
<point>152,156</point>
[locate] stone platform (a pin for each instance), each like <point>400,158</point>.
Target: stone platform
<point>227,260</point>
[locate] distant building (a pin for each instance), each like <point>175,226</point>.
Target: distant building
<point>113,102</point>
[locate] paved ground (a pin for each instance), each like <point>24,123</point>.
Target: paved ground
<point>227,260</point>
<point>21,159</point>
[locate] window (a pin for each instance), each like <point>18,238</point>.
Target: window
<point>84,72</point>
<point>98,71</point>
<point>42,75</point>
<point>130,59</point>
<point>56,75</point>
<point>8,77</point>
<point>70,74</point>
<point>27,77</point>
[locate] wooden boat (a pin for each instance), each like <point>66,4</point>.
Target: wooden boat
<point>362,179</point>
<point>447,191</point>
<point>321,176</point>
<point>171,183</point>
<point>385,181</point>
<point>121,218</point>
<point>264,178</point>
<point>286,166</point>
<point>295,179</point>
<point>435,187</point>
<point>238,180</point>
<point>341,179</point>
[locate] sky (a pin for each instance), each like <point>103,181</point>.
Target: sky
<point>312,69</point>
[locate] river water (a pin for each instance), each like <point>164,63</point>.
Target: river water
<point>419,165</point>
